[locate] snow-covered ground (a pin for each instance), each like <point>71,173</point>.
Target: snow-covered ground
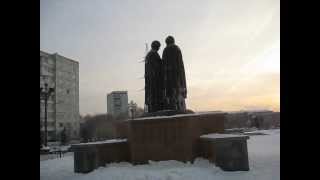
<point>264,159</point>
<point>44,157</point>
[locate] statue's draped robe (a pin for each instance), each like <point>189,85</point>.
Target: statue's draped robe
<point>174,78</point>
<point>153,82</point>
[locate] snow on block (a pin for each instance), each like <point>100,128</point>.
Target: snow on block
<point>101,142</point>
<point>223,137</point>
<point>177,116</point>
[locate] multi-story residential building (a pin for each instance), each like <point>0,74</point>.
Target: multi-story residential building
<point>61,74</point>
<point>117,103</point>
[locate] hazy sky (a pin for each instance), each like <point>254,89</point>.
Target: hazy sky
<point>231,48</point>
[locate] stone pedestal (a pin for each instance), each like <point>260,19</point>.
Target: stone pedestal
<point>90,156</point>
<point>85,159</point>
<point>230,151</point>
<point>232,155</point>
<point>170,137</point>
<point>167,138</point>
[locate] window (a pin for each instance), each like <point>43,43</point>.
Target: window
<point>68,91</point>
<point>60,124</point>
<point>51,135</point>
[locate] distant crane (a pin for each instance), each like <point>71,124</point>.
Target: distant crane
<point>146,52</point>
<point>147,49</point>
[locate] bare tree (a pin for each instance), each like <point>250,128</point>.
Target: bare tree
<point>98,126</point>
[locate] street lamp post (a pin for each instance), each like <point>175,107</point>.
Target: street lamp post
<point>45,95</point>
<point>132,111</point>
<point>132,108</point>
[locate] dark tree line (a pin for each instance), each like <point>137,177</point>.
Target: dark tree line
<point>260,120</point>
<point>102,126</point>
<point>96,127</point>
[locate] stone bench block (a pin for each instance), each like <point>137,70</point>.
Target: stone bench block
<point>85,159</point>
<point>90,156</point>
<point>230,151</point>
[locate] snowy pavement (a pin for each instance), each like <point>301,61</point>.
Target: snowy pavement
<point>264,161</point>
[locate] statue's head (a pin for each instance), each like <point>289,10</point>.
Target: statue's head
<point>169,40</point>
<point>155,45</point>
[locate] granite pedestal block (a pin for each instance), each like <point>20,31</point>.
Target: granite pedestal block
<point>90,156</point>
<point>230,151</point>
<point>170,137</point>
<point>85,158</point>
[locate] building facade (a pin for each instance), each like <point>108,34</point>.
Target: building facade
<point>117,103</point>
<point>62,74</point>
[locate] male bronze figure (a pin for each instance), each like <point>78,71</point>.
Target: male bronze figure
<point>175,88</point>
<point>153,79</point>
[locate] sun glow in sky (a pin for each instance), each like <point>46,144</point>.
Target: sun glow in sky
<point>231,48</point>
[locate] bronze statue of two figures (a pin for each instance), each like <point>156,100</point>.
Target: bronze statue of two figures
<point>165,81</point>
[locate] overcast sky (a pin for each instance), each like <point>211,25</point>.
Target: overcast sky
<point>230,48</point>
